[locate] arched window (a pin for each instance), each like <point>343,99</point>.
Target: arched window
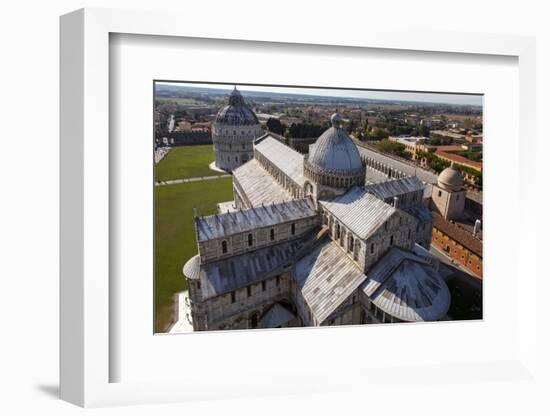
<point>356,250</point>
<point>337,231</point>
<point>224,247</point>
<point>293,229</point>
<point>250,240</point>
<point>272,234</point>
<point>350,243</point>
<point>254,320</point>
<point>391,240</point>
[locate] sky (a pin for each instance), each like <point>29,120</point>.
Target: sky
<point>468,99</point>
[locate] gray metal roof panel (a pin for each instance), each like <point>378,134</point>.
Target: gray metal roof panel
<point>258,185</point>
<point>223,225</point>
<point>288,160</point>
<point>395,187</point>
<point>360,211</point>
<point>420,212</point>
<point>326,278</point>
<point>224,276</point>
<point>276,316</point>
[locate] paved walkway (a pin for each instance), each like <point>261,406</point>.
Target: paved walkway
<point>197,179</point>
<point>407,168</point>
<point>160,153</point>
<point>184,322</point>
<point>450,262</point>
<point>410,168</point>
<point>213,166</point>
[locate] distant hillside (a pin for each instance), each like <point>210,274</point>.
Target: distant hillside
<point>164,90</point>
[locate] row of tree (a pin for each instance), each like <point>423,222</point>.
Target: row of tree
<point>437,164</point>
<point>391,147</point>
<point>296,130</point>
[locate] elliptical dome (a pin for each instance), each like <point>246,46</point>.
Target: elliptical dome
<point>334,151</point>
<point>451,178</point>
<point>334,160</point>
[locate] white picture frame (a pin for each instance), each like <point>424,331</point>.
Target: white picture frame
<point>85,165</point>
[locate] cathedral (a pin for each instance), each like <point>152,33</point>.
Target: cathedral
<point>308,240</point>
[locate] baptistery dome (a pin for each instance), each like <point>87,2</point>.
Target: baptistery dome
<point>451,178</point>
<point>333,159</point>
<point>233,133</point>
<point>236,112</point>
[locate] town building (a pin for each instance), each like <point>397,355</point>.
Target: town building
<point>449,136</point>
<point>456,158</point>
<point>474,138</point>
<point>411,143</point>
<point>233,132</point>
<point>463,246</point>
<point>308,241</point>
<point>452,232</point>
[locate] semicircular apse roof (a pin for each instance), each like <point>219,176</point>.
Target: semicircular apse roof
<point>407,287</point>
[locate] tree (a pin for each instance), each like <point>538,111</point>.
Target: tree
<point>423,131</point>
<point>274,125</point>
<point>388,146</point>
<point>378,133</point>
<point>306,130</point>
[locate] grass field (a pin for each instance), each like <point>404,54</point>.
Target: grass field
<point>175,236</point>
<point>186,162</point>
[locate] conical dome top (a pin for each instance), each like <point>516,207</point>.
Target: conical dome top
<point>235,98</point>
<point>237,112</point>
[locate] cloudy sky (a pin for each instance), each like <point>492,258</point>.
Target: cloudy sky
<point>469,99</point>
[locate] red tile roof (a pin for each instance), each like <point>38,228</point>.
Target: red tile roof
<point>461,160</point>
<point>458,234</point>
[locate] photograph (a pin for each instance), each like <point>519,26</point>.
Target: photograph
<point>281,206</point>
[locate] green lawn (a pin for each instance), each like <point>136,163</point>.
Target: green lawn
<point>175,236</point>
<point>186,162</point>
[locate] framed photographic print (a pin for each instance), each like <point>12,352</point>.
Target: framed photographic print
<point>303,207</point>
<point>290,213</point>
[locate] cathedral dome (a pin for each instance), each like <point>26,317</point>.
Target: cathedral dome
<point>237,112</point>
<point>334,151</point>
<point>451,178</point>
<point>334,159</point>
